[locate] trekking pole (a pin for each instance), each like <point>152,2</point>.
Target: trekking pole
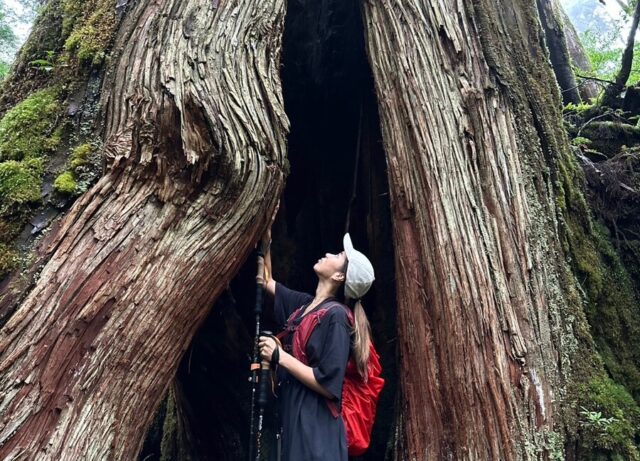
<point>262,398</point>
<point>256,362</point>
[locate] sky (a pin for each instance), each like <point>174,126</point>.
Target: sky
<point>21,29</point>
<point>599,17</point>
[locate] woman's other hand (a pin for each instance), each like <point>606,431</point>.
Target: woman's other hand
<point>267,345</point>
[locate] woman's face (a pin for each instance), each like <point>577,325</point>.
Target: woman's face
<point>330,264</point>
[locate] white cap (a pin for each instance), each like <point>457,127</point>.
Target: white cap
<point>359,275</point>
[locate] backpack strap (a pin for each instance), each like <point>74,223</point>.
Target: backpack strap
<point>308,324</point>
<point>289,328</point>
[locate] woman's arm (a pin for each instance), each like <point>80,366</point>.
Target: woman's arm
<point>299,370</point>
<point>269,283</point>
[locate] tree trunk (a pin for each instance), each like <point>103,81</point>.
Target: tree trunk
<point>195,143</point>
<point>588,88</point>
<point>472,131</point>
<point>554,34</point>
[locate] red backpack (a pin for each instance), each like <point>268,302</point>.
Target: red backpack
<point>359,398</point>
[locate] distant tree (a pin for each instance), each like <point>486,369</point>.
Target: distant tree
<point>613,91</point>
<point>7,41</point>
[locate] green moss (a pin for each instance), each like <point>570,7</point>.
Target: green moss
<point>80,154</point>
<point>577,108</point>
<point>65,183</point>
<point>610,419</point>
<point>612,308</point>
<point>580,141</point>
<point>20,184</point>
<point>91,34</point>
<point>25,129</point>
<point>71,10</point>
<point>8,260</point>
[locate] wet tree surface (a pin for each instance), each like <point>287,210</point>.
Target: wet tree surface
<point>128,334</point>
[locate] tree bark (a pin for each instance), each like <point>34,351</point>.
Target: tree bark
<point>472,131</point>
<point>554,35</point>
<point>195,144</point>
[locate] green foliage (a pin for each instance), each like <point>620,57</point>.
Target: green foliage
<point>20,184</point>
<point>25,129</point>
<point>610,419</point>
<point>8,42</point>
<point>65,183</point>
<point>604,49</point>
<point>44,64</point>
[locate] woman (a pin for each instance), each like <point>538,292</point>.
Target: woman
<point>310,431</point>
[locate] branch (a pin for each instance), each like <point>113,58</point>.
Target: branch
<point>593,78</point>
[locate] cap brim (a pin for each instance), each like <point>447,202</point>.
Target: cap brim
<point>348,245</point>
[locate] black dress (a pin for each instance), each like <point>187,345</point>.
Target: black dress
<point>310,432</point>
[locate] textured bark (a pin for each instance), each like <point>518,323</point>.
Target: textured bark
<point>472,132</point>
<point>195,141</point>
<point>554,34</point>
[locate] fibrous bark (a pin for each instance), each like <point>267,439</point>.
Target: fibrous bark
<point>472,133</point>
<point>195,139</point>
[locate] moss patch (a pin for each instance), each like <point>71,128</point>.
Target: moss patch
<point>609,137</point>
<point>20,184</point>
<point>80,155</point>
<point>92,31</point>
<point>610,420</point>
<point>65,183</point>
<point>25,130</point>
<point>8,260</point>
<point>612,308</point>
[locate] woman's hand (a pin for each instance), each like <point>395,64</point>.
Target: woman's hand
<point>267,345</point>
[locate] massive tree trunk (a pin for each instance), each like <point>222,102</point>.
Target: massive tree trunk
<point>472,132</point>
<point>490,325</point>
<point>195,142</point>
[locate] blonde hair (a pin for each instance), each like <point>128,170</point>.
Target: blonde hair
<point>361,333</point>
<point>362,339</point>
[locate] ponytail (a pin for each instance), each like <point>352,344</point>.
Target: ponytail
<point>362,339</point>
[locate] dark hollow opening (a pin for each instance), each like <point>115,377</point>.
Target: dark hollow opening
<point>330,100</point>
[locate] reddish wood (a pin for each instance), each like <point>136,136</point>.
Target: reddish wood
<point>195,144</point>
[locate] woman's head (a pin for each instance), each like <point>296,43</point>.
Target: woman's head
<point>332,268</point>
